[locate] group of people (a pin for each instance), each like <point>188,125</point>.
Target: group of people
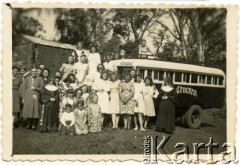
<point>86,95</point>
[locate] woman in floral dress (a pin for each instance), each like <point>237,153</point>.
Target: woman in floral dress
<point>126,100</point>
<point>16,82</point>
<point>94,115</point>
<point>80,114</point>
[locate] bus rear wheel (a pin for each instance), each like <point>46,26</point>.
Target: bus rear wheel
<point>193,117</point>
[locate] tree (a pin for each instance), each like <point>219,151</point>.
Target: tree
<point>136,21</point>
<point>86,25</point>
<point>22,24</point>
<point>195,30</point>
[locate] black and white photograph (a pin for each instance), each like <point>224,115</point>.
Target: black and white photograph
<point>118,81</point>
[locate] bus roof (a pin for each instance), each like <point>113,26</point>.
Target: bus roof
<point>145,63</point>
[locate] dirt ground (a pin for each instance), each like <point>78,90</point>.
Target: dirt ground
<point>119,141</point>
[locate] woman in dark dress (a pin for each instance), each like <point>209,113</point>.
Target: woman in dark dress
<point>50,106</point>
<point>166,112</point>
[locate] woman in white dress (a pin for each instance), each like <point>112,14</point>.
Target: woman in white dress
<point>102,86</point>
<point>79,51</point>
<point>114,99</point>
<point>149,92</point>
<point>139,107</point>
<point>93,61</point>
<point>67,67</point>
<point>81,70</point>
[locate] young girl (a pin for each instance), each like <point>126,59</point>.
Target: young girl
<point>94,115</point>
<point>149,92</point>
<point>114,99</point>
<point>69,99</point>
<point>132,73</point>
<point>85,94</point>
<point>139,108</point>
<point>78,94</point>
<point>80,114</point>
<point>67,121</point>
<point>102,87</point>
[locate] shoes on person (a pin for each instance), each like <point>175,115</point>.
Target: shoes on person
<point>142,130</point>
<point>135,129</point>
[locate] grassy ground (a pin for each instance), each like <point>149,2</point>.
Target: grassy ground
<point>116,142</point>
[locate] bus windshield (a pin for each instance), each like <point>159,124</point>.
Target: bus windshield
<point>123,70</point>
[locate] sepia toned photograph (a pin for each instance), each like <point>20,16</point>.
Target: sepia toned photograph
<point>118,81</point>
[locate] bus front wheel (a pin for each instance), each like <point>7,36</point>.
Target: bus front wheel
<point>193,117</point>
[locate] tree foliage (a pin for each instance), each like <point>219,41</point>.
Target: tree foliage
<point>22,24</point>
<point>194,35</point>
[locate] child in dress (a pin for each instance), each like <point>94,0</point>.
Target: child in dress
<point>85,94</point>
<point>68,99</point>
<point>80,114</point>
<point>67,121</point>
<point>102,86</point>
<point>94,115</point>
<point>149,92</point>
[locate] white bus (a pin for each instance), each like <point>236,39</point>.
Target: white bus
<point>197,87</point>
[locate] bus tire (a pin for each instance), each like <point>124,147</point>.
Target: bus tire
<point>193,117</point>
<point>182,120</point>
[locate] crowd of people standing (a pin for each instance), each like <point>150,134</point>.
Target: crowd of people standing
<point>86,95</point>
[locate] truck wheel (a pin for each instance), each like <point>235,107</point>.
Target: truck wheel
<point>182,120</point>
<point>193,117</point>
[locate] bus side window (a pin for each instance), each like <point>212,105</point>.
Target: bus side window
<point>194,78</point>
<point>141,72</point>
<point>209,79</point>
<point>202,79</point>
<point>149,73</point>
<point>169,74</point>
<point>186,77</point>
<point>160,75</point>
<point>155,75</point>
<point>178,77</point>
<point>221,80</point>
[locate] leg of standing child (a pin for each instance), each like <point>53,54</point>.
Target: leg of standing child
<point>125,118</point>
<point>146,121</point>
<point>140,117</point>
<point>129,121</point>
<point>135,121</point>
<point>114,120</point>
